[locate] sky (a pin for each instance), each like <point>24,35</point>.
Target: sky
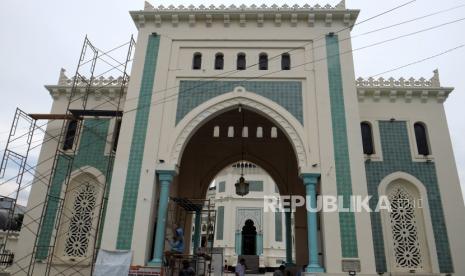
<point>40,37</point>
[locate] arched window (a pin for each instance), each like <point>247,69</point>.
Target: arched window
<point>422,138</point>
<point>70,135</point>
<point>406,227</point>
<point>241,61</point>
<point>245,132</point>
<point>216,131</point>
<point>197,61</point>
<point>259,132</point>
<point>263,61</point>
<point>285,61</point>
<point>367,138</point>
<point>219,61</point>
<point>79,219</point>
<point>274,132</point>
<point>116,134</point>
<point>230,131</point>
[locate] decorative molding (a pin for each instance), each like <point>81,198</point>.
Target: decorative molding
<point>109,87</point>
<point>311,20</point>
<point>108,81</point>
<point>242,14</point>
<point>329,19</point>
<point>264,7</point>
<point>192,20</point>
<point>291,132</point>
<point>423,90</point>
<point>381,82</point>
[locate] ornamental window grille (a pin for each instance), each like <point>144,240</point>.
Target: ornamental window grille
<point>405,231</point>
<point>80,226</point>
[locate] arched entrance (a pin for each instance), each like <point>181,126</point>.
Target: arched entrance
<point>249,238</point>
<point>243,133</point>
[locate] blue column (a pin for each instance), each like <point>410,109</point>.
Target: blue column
<point>198,219</point>
<point>164,178</point>
<point>259,244</point>
<point>288,238</point>
<point>310,180</point>
<point>238,243</point>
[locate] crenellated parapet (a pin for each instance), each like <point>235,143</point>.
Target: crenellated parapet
<point>99,81</point>
<point>102,87</point>
<point>407,90</point>
<point>243,7</point>
<point>244,15</point>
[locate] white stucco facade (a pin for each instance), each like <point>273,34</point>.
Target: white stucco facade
<point>167,144</point>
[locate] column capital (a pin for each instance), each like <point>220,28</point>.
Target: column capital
<point>165,175</point>
<point>310,178</point>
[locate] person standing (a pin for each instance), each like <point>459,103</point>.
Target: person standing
<point>240,268</point>
<point>177,244</point>
<point>279,271</point>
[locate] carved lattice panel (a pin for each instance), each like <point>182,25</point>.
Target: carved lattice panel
<point>406,244</point>
<point>80,226</point>
<point>254,214</point>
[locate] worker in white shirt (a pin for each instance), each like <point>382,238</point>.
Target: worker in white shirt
<point>240,268</point>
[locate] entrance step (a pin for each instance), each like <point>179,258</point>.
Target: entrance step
<point>252,262</point>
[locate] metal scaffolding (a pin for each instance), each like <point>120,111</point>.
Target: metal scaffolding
<point>180,211</point>
<point>77,111</point>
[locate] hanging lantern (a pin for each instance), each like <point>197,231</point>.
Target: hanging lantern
<point>242,187</point>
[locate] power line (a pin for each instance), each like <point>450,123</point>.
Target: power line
<point>165,99</point>
<point>419,61</point>
<point>296,66</point>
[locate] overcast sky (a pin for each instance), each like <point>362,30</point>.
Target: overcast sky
<point>40,37</point>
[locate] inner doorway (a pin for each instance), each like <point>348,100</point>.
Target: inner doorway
<point>249,238</point>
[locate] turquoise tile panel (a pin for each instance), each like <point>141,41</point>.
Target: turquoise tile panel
<point>278,226</point>
<point>256,186</point>
<point>221,187</point>
<point>90,153</point>
<point>341,148</point>
<point>288,94</point>
<point>397,157</point>
<point>131,188</point>
<point>220,223</point>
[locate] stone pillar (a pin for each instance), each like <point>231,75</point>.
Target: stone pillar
<point>165,178</point>
<point>288,222</point>
<point>198,220</point>
<point>310,180</point>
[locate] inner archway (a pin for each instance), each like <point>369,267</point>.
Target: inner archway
<point>239,134</point>
<point>249,238</point>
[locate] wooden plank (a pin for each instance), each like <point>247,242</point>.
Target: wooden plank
<point>53,117</point>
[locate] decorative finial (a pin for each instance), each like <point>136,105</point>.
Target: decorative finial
<point>435,79</point>
<point>341,5</point>
<point>148,6</point>
<point>62,79</point>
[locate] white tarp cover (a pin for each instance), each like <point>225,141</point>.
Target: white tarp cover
<point>114,263</point>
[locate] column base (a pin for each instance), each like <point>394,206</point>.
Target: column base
<point>155,263</point>
<point>314,268</point>
<point>290,264</point>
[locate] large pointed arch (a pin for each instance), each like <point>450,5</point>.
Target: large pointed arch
<point>269,109</point>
